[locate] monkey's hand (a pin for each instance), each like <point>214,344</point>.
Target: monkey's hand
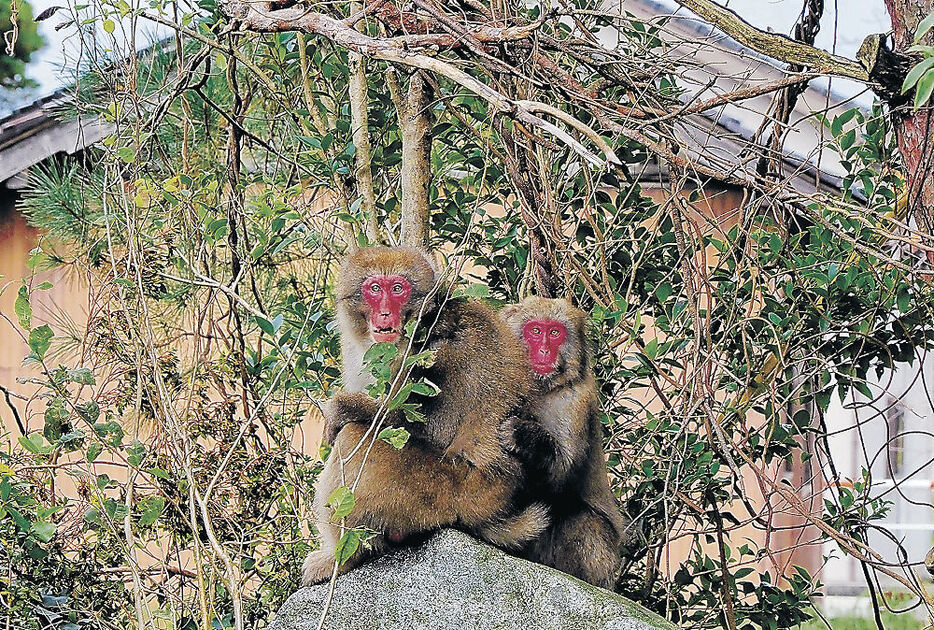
<point>524,437</point>
<point>347,408</point>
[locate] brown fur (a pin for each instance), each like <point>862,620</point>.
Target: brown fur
<point>587,528</point>
<point>453,471</point>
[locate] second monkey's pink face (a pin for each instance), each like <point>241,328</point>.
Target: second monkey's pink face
<point>386,296</point>
<point>543,339</point>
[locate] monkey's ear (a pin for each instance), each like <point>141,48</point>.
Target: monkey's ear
<point>509,311</point>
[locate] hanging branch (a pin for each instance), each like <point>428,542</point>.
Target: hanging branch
<point>805,31</point>
<point>395,50</point>
<point>775,45</point>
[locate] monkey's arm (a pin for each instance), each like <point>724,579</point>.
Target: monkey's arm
<point>352,408</point>
<point>537,449</point>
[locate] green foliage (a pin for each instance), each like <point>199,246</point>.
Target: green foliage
<point>28,41</point>
<point>921,77</point>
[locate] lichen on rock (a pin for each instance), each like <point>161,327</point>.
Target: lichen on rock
<point>453,582</point>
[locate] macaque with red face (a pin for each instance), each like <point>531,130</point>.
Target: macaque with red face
<point>454,470</point>
<point>544,338</point>
<point>379,289</point>
<point>561,443</point>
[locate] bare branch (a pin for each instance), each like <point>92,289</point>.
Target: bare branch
<point>415,121</point>
<point>775,45</point>
<point>392,50</point>
<point>361,139</point>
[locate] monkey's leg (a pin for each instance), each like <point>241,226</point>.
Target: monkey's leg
<point>319,565</point>
<point>396,491</point>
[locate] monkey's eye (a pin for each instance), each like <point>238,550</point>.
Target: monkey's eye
<point>397,287</point>
<point>554,333</point>
<point>375,288</point>
<point>536,330</point>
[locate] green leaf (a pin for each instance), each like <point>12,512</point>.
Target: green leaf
<point>923,28</point>
<point>904,301</point>
<point>89,410</point>
<point>341,501</point>
<point>137,451</point>
<point>265,325</point>
<point>425,388</point>
<point>158,472</point>
<point>924,89</point>
<point>476,291</point>
<point>151,508</point>
<point>22,308</point>
<point>413,415</point>
<point>382,351</point>
<point>915,73</point>
<point>109,26</point>
<point>394,436</point>
<point>40,340</point>
<point>127,154</point>
<point>21,522</point>
<point>848,139</point>
<point>33,444</point>
<point>43,530</point>
<point>836,128</point>
<point>45,286</point>
<point>93,516</point>
<point>347,545</point>
<point>94,450</point>
<point>83,376</point>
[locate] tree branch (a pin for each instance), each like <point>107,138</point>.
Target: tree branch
<point>361,139</point>
<point>775,45</point>
<point>415,123</point>
<point>392,50</point>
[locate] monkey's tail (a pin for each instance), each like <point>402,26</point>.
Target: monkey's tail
<point>516,531</point>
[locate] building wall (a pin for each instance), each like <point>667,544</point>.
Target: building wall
<point>60,306</point>
<point>891,437</point>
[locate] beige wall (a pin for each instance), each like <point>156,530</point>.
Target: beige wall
<point>65,301</point>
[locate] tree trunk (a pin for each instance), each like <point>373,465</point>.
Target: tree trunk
<point>914,128</point>
<point>361,137</point>
<point>415,120</point>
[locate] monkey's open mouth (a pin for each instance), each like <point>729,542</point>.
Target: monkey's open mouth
<point>387,334</point>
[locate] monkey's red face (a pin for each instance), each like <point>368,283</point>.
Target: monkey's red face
<point>385,298</point>
<point>543,339</point>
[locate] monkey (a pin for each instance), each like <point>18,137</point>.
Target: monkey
<point>454,470</point>
<point>563,444</point>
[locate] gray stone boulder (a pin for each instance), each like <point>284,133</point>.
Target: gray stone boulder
<point>454,582</point>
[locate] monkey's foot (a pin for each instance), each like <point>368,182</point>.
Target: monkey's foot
<point>318,567</point>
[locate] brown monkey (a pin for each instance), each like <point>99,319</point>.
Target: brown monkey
<point>453,471</point>
<point>587,528</point>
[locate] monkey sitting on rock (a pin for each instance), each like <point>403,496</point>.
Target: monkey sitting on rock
<point>454,470</point>
<point>567,457</point>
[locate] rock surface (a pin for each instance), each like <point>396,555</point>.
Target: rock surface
<point>454,582</point>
